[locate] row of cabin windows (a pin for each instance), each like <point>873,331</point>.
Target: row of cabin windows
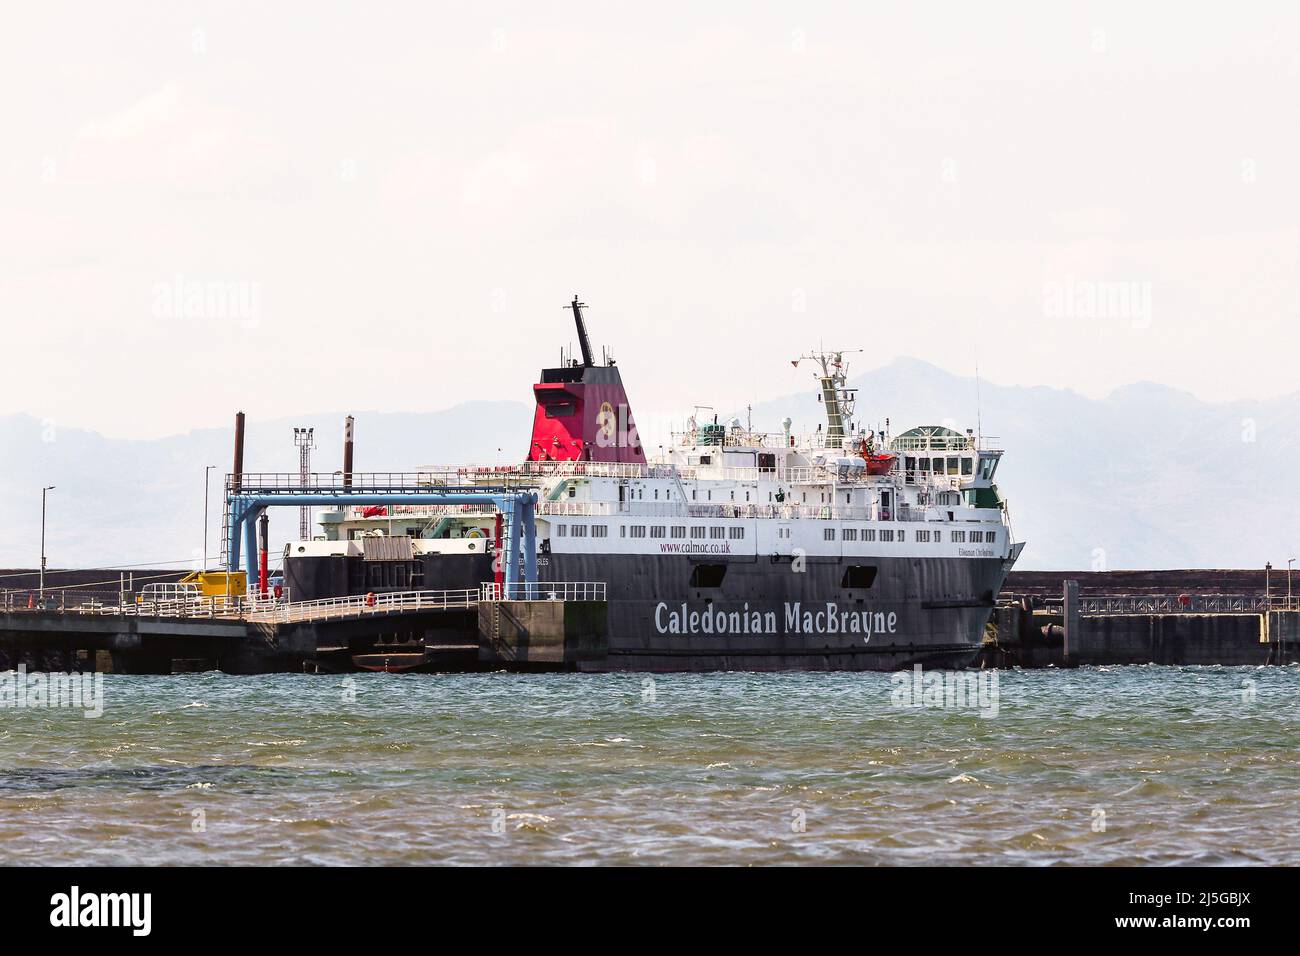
<point>940,466</point>
<point>737,532</point>
<point>715,532</point>
<point>923,536</point>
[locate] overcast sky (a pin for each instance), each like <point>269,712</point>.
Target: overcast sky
<point>298,207</point>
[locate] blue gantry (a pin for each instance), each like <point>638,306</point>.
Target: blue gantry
<point>518,509</point>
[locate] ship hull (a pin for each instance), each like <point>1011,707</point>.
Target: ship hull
<point>768,616</point>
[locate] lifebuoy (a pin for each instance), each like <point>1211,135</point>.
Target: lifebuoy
<point>370,599</point>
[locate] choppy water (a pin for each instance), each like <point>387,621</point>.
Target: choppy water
<point>1192,765</point>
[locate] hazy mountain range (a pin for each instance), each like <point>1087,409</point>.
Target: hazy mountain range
<point>1148,477</point>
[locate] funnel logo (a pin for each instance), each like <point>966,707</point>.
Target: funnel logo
<point>607,422</point>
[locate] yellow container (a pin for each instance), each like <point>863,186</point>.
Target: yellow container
<point>218,583</point>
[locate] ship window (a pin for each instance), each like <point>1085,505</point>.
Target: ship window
<point>923,537</point>
<point>716,532</point>
<point>938,537</point>
<point>710,495</point>
<point>656,494</point>
<point>657,530</point>
<point>850,534</point>
<point>600,531</point>
<point>561,530</point>
<point>622,531</point>
<point>990,536</point>
<point>869,534</point>
<point>828,534</point>
<point>902,535</point>
<point>952,466</point>
<point>735,533</point>
<point>967,466</point>
<point>708,575</point>
<point>579,530</point>
<point>560,410</point>
<point>959,537</point>
<point>637,531</point>
<point>858,577</point>
<point>573,492</point>
<point>925,464</point>
<point>706,459</point>
<point>401,575</point>
<point>766,461</point>
<point>699,531</point>
<point>679,531</point>
<point>886,535</point>
<point>977,537</point>
<point>417,574</point>
<point>733,496</point>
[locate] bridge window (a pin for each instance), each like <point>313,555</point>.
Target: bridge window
<point>967,466</point>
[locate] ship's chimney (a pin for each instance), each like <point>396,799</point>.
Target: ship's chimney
<point>349,425</point>
<point>236,474</point>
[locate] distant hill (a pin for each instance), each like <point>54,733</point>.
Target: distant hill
<point>1148,477</point>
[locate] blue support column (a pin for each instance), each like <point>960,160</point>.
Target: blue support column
<point>512,564</point>
<point>250,545</point>
<point>529,508</point>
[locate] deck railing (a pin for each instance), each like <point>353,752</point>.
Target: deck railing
<point>544,591</point>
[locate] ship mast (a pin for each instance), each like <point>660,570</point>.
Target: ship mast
<point>839,400</point>
<point>583,342</point>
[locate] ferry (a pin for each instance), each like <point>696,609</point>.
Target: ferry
<point>846,549</point>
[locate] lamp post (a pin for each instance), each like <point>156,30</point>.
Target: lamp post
<point>44,491</point>
<point>207,472</point>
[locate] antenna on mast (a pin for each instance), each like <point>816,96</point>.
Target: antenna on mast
<point>835,395</point>
<point>583,342</point>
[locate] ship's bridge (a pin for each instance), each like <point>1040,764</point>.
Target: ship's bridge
<point>929,450</point>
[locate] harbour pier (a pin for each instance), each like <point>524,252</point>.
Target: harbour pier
<point>1185,617</point>
<point>539,627</point>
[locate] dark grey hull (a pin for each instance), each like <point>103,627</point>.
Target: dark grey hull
<point>686,613</point>
<point>765,616</point>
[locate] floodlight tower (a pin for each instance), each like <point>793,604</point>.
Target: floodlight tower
<point>303,438</point>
